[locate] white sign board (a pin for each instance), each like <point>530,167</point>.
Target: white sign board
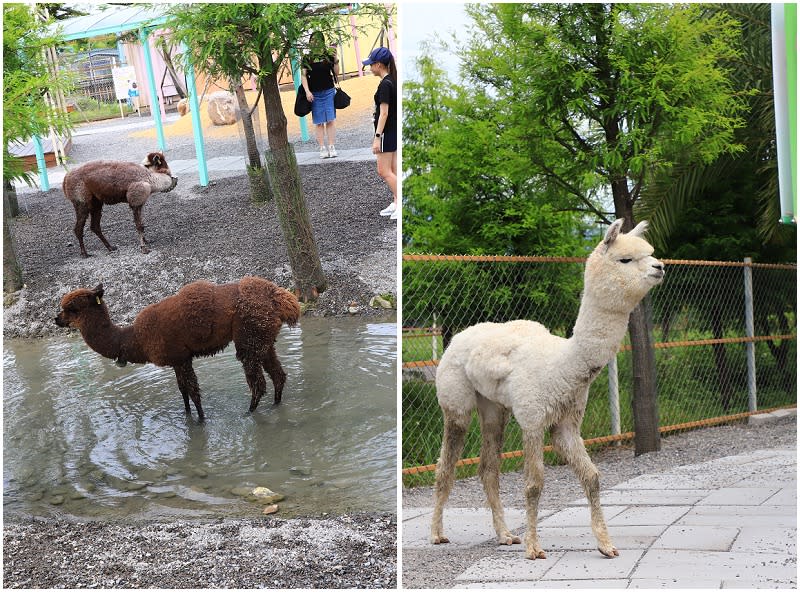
<point>123,76</point>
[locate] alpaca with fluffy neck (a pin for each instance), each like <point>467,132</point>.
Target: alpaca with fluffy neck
<point>543,379</point>
<point>93,184</point>
<point>200,320</point>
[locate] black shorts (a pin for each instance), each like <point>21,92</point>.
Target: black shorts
<point>389,141</point>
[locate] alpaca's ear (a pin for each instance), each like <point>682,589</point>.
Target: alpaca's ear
<point>98,293</point>
<point>613,232</point>
<point>640,229</point>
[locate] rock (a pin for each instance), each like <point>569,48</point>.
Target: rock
<point>241,491</point>
<point>263,495</point>
<point>270,509</point>
<point>380,302</point>
<point>352,308</point>
<point>222,108</point>
<point>56,500</point>
<point>198,472</point>
<point>183,107</point>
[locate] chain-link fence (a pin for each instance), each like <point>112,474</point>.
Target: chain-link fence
<point>724,333</point>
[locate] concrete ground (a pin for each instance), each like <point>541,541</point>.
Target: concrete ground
<point>729,522</point>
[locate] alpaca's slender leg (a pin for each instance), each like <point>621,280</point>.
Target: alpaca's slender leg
<point>137,220</point>
<point>255,377</point>
<point>273,367</point>
<point>456,424</point>
<point>493,418</point>
<point>534,482</point>
<point>81,214</point>
<point>96,211</point>
<point>190,389</point>
<point>568,443</point>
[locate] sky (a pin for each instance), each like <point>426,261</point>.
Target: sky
<point>421,21</point>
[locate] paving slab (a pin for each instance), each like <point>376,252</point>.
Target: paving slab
<point>592,565</point>
<point>465,527</point>
<point>581,538</point>
<point>509,568</point>
<point>648,497</point>
<point>709,538</point>
<point>718,565</point>
<point>771,516</point>
<point>739,496</point>
<point>578,516</point>
<point>766,539</point>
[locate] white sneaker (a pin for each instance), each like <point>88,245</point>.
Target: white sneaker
<point>388,210</point>
<point>332,151</point>
<point>395,215</point>
<point>323,152</point>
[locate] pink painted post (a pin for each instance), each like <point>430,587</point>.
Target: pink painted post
<point>355,42</point>
<point>390,35</point>
<point>159,91</point>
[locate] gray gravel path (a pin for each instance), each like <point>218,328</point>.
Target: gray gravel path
<point>212,233</point>
<point>350,551</point>
<point>422,569</point>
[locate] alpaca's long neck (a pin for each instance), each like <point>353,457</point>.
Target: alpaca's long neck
<point>597,335</point>
<point>110,340</point>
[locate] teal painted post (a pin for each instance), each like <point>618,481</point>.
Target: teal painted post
<point>197,128</point>
<point>44,182</point>
<point>296,76</point>
<point>151,81</point>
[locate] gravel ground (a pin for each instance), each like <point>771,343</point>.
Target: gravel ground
<point>212,233</point>
<point>350,551</point>
<point>422,569</point>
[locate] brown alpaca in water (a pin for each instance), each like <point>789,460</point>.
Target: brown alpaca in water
<point>200,320</point>
<point>99,182</point>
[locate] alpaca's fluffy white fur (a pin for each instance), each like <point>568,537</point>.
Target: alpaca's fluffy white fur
<point>543,379</point>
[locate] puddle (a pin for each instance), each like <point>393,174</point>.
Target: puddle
<point>84,437</point>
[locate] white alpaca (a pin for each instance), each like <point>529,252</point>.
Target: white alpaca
<point>544,381</point>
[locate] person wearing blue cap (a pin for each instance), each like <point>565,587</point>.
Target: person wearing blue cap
<point>384,144</point>
<point>319,67</point>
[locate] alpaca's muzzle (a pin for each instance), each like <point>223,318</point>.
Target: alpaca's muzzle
<point>174,183</point>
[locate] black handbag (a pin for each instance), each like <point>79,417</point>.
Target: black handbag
<point>302,106</point>
<point>341,99</point>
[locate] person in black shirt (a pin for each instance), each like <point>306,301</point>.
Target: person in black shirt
<point>319,65</point>
<point>384,145</point>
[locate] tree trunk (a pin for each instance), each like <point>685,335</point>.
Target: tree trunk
<point>12,273</point>
<point>645,392</point>
<point>284,176</point>
<point>645,389</point>
<point>260,189</point>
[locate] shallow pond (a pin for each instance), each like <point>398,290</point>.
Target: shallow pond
<point>84,437</point>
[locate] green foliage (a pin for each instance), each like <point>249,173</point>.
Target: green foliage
<point>232,40</point>
<point>599,95</point>
<point>729,209</point>
<point>26,79</point>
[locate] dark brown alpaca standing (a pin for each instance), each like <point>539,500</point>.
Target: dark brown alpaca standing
<point>99,182</point>
<point>200,320</point>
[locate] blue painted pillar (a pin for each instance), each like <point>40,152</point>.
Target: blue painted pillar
<point>44,182</point>
<point>155,108</point>
<point>297,83</point>
<point>197,129</point>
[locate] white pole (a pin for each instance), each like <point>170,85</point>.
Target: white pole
<point>613,396</point>
<point>749,328</point>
